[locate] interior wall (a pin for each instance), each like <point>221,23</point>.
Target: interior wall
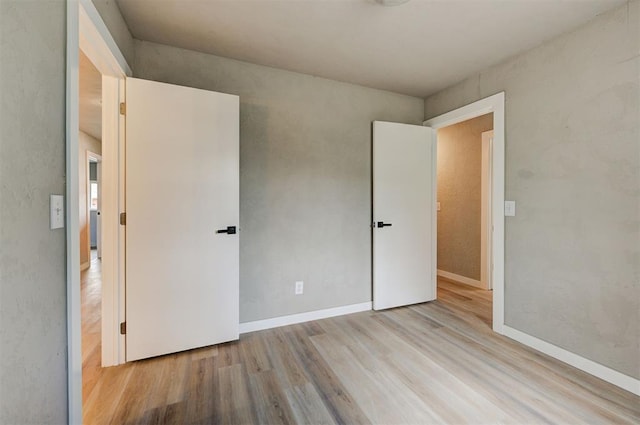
<point>87,144</point>
<point>459,194</point>
<point>33,342</point>
<point>110,13</point>
<point>572,261</point>
<point>305,176</point>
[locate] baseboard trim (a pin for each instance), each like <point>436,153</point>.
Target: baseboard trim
<point>596,369</point>
<point>292,319</point>
<point>85,266</point>
<point>461,279</point>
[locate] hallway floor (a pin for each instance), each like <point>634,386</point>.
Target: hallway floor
<point>90,295</point>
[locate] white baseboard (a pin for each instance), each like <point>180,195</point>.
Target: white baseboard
<point>461,279</point>
<point>292,319</point>
<point>596,369</point>
<point>85,266</point>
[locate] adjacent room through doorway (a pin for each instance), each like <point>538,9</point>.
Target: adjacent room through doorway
<point>90,157</point>
<point>464,214</point>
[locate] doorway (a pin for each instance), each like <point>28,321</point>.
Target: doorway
<point>87,32</point>
<point>495,233</point>
<point>463,212</point>
<point>89,191</point>
<point>95,182</point>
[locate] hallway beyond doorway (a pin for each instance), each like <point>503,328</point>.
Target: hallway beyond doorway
<point>91,295</point>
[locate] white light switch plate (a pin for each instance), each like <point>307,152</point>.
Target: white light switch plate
<point>438,205</point>
<point>299,287</point>
<point>509,208</point>
<point>56,211</point>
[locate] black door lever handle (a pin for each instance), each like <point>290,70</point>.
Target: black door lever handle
<point>383,224</point>
<point>230,230</point>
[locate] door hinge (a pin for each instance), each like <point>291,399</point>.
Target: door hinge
<point>123,108</point>
<point>123,328</point>
<point>123,219</point>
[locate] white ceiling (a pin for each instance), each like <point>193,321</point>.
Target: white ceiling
<point>90,98</point>
<point>417,48</point>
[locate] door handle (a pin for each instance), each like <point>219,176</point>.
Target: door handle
<point>230,230</point>
<point>383,224</point>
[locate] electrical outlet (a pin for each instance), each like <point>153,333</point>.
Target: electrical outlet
<point>299,287</point>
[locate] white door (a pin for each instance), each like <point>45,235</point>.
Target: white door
<point>182,192</point>
<point>404,228</point>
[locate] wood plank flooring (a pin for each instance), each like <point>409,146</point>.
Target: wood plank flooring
<point>437,362</point>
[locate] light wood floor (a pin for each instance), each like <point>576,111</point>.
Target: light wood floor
<point>437,362</point>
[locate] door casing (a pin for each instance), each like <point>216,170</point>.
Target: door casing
<point>86,30</point>
<point>492,104</point>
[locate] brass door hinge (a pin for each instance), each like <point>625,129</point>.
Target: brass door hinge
<point>123,108</point>
<point>123,219</point>
<point>123,328</point>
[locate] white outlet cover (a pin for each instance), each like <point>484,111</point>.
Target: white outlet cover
<point>56,211</point>
<point>299,289</point>
<point>509,208</point>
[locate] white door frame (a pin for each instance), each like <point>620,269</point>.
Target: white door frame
<point>99,208</point>
<point>492,104</point>
<point>485,214</point>
<point>97,159</point>
<point>87,31</point>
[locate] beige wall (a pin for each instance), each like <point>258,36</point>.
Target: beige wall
<point>87,144</point>
<point>33,329</point>
<point>572,252</point>
<point>459,190</point>
<point>305,176</point>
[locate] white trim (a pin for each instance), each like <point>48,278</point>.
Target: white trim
<point>493,104</point>
<point>292,319</point>
<point>74,334</point>
<point>110,208</point>
<point>461,279</point>
<point>596,369</point>
<point>99,208</point>
<point>120,292</point>
<point>89,155</point>
<point>96,42</point>
<point>434,214</point>
<point>485,212</point>
<point>84,28</point>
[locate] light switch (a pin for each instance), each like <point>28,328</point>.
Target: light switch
<point>56,203</point>
<point>509,208</point>
<point>438,205</point>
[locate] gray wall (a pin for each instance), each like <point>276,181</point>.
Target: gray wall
<point>459,195</point>
<point>305,173</point>
<point>110,14</point>
<point>573,165</point>
<point>33,378</point>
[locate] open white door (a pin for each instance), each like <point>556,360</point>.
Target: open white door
<point>182,190</point>
<point>404,234</point>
